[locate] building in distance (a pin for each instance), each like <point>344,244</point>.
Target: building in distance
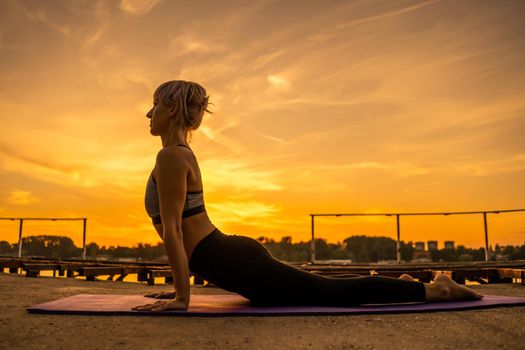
<point>432,245</point>
<point>420,246</point>
<point>449,245</point>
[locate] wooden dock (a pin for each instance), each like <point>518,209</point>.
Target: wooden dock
<point>480,271</point>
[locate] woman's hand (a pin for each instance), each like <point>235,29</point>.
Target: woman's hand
<point>163,305</point>
<point>161,295</point>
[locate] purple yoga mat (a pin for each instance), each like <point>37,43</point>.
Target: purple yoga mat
<point>233,304</point>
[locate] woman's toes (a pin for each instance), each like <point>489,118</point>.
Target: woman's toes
<point>447,289</point>
<point>406,277</point>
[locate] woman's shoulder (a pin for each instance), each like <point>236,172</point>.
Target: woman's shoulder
<point>173,150</point>
<point>172,155</point>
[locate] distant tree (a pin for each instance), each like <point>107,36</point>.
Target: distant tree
<point>371,249</point>
<point>407,251</point>
<point>465,257</point>
<point>359,248</point>
<point>92,250</point>
<point>49,246</point>
<point>286,247</point>
<point>5,248</point>
<point>262,239</point>
<point>322,250</point>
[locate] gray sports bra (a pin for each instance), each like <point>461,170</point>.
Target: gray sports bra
<point>193,205</point>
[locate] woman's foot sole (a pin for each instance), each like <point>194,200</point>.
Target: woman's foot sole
<point>443,288</point>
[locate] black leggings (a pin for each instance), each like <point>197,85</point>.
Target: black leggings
<point>243,265</point>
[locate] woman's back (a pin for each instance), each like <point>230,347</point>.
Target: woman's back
<point>197,226</point>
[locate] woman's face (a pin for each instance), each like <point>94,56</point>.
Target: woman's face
<point>159,117</point>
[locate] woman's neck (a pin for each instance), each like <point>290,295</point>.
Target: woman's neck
<point>173,139</point>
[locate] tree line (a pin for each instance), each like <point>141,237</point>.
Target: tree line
<point>358,249</point>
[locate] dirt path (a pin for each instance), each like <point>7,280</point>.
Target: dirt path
<point>480,329</point>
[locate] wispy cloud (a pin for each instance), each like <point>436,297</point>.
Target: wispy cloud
<point>252,214</point>
<point>20,197</point>
<point>221,174</point>
<point>40,15</point>
<point>138,7</point>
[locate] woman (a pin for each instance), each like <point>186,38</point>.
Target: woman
<point>174,201</point>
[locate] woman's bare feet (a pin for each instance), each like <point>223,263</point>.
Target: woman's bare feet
<point>445,289</point>
<point>407,278</point>
<point>161,295</point>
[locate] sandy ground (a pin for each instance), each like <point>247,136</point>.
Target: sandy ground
<point>492,328</point>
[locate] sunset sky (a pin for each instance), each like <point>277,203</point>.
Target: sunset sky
<point>319,107</point>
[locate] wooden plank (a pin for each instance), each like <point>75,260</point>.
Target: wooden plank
<point>96,271</point>
<point>132,269</point>
<point>33,270</point>
<point>510,273</point>
<point>45,267</point>
<point>121,277</point>
<point>157,273</point>
<point>471,273</point>
<point>160,273</point>
<point>11,264</point>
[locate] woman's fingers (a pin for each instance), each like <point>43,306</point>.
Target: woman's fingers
<point>160,308</point>
<point>161,295</point>
<point>148,306</point>
<point>166,295</point>
<point>162,305</point>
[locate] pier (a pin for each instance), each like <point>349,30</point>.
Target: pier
<point>482,272</point>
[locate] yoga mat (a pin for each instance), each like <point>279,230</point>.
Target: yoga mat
<point>236,305</point>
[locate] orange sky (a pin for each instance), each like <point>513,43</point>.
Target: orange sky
<point>320,106</point>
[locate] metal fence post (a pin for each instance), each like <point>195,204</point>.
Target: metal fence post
<point>312,243</point>
<point>20,238</point>
<point>84,241</point>
<point>486,237</point>
<point>398,242</point>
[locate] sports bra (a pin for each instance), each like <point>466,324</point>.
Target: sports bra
<point>193,205</point>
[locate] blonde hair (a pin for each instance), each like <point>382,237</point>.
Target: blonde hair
<point>190,100</point>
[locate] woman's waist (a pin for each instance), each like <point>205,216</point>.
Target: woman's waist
<point>194,229</point>
<point>204,251</point>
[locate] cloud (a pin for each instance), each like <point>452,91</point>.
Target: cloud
<point>278,81</point>
<point>189,43</point>
<point>20,197</point>
<point>399,168</point>
<point>490,167</point>
<point>247,213</point>
<point>41,15</point>
<point>220,174</point>
<point>389,14</point>
<point>333,31</point>
<point>138,7</point>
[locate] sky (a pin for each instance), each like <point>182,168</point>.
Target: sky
<point>318,107</point>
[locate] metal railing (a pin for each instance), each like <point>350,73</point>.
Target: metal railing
<point>52,219</point>
<point>397,215</point>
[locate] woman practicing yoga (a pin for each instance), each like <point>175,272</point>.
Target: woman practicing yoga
<point>174,201</point>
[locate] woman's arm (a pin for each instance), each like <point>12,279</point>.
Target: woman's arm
<point>171,172</point>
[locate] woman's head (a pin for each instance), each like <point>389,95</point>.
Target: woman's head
<point>178,109</point>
